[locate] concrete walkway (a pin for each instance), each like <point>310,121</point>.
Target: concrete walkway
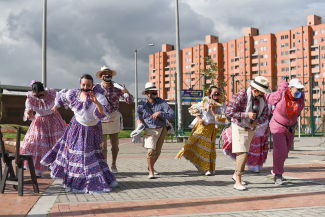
<point>180,191</point>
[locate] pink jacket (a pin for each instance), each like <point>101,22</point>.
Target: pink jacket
<point>280,112</point>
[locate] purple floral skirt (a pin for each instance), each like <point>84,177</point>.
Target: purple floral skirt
<point>78,160</point>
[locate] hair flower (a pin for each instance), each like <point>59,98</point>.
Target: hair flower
<point>32,82</point>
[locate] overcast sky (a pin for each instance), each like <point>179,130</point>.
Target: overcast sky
<point>83,35</point>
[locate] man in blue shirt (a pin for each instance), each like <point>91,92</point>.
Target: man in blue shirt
<point>153,112</point>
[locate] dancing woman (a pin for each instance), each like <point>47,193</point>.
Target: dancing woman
<point>77,157</point>
<point>46,128</point>
<point>200,147</point>
<point>289,101</point>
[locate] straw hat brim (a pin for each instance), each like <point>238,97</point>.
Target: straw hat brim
<point>251,82</point>
<point>144,92</point>
<point>98,73</point>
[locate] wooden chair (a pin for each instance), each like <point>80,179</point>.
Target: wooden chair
<point>7,158</point>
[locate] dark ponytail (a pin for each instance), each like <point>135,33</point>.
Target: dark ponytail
<point>37,87</point>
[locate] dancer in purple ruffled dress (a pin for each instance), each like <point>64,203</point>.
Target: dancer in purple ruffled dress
<point>77,157</point>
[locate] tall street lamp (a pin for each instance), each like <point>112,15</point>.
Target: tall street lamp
<point>136,82</point>
<point>44,44</point>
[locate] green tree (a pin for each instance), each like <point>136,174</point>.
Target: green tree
<point>213,72</point>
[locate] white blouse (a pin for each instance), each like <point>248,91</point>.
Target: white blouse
<point>84,110</point>
<point>202,109</point>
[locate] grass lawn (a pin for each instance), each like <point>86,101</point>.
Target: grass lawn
<point>123,133</point>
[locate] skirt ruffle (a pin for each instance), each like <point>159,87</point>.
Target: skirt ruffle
<point>200,148</point>
<point>78,160</point>
<point>41,136</point>
<point>257,152</point>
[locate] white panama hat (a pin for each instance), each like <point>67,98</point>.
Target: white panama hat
<point>105,68</point>
<point>260,83</point>
<point>149,86</point>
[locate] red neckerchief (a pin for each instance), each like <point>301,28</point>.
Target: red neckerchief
<point>290,96</point>
<point>291,104</point>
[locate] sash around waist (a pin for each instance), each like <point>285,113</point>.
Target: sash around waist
<point>93,123</point>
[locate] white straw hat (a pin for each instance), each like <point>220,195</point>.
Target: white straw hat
<point>105,68</point>
<point>260,83</point>
<point>149,86</point>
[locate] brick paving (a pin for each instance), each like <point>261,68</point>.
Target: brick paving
<point>180,191</point>
<point>12,204</point>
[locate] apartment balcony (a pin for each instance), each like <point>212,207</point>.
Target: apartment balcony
<point>315,70</point>
<point>167,78</point>
<point>315,61</point>
<point>255,68</point>
<point>167,85</point>
<point>254,61</point>
<point>293,64</point>
<point>237,71</point>
<point>314,53</point>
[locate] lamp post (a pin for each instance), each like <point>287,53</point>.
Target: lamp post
<point>136,82</point>
<point>44,45</point>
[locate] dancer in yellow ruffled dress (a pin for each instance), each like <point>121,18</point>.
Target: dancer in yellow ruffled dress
<point>200,147</point>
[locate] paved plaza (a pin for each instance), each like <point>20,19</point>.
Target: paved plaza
<point>180,190</point>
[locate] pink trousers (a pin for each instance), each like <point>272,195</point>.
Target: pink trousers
<point>282,142</point>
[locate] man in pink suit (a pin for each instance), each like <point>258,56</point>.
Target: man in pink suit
<point>289,102</point>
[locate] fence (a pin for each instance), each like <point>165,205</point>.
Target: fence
<point>312,118</point>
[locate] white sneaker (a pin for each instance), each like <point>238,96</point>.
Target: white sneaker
<point>242,182</point>
<point>208,173</point>
<point>151,176</point>
<point>240,188</point>
<point>114,171</point>
<point>272,172</point>
<point>154,172</point>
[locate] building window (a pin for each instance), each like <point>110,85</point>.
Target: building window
<point>282,37</point>
<point>265,56</point>
<point>214,55</point>
<point>232,53</point>
<point>287,44</point>
<point>255,42</point>
<point>315,41</point>
<point>293,36</point>
<point>255,50</point>
<point>209,50</point>
<point>282,45</point>
<point>282,53</point>
<point>286,36</point>
<point>261,48</point>
<point>232,45</point>
<point>261,56</point>
<point>314,33</point>
<point>261,41</point>
<point>294,44</point>
<point>305,40</point>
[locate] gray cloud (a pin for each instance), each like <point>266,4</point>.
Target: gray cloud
<point>84,35</point>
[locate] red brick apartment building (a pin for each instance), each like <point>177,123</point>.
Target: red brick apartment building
<point>299,52</point>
